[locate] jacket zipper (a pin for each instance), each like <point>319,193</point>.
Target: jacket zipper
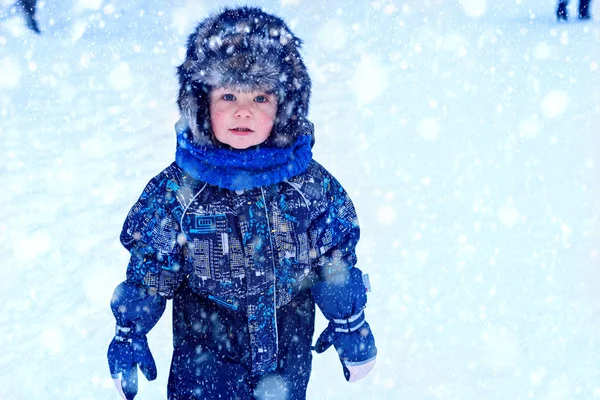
<point>274,276</point>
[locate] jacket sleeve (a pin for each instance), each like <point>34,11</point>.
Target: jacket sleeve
<point>340,291</point>
<point>153,237</point>
<point>151,234</point>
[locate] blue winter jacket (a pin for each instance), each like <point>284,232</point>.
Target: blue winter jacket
<point>245,269</point>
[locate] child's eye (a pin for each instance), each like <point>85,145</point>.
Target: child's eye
<point>261,99</point>
<point>228,97</point>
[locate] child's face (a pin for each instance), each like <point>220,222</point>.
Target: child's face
<point>242,119</point>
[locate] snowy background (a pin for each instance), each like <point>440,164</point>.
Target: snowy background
<point>466,132</point>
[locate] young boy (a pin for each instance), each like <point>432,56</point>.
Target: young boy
<point>244,231</point>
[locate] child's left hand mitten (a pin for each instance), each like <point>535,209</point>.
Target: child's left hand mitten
<point>342,297</point>
<point>136,312</point>
<point>354,343</point>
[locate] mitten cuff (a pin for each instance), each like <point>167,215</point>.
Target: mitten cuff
<point>129,335</point>
<point>123,334</point>
<point>349,324</point>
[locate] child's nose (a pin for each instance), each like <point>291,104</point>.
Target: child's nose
<point>243,112</point>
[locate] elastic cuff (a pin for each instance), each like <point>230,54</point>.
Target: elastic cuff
<point>122,334</point>
<point>350,324</point>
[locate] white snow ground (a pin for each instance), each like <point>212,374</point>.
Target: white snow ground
<point>465,131</point>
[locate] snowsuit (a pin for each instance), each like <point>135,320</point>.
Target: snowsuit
<point>244,270</point>
<point>245,242</point>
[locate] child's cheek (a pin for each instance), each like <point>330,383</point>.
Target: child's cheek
<point>217,120</point>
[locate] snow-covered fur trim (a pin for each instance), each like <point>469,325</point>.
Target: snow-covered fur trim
<point>248,49</point>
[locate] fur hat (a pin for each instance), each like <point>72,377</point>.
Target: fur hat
<point>248,49</point>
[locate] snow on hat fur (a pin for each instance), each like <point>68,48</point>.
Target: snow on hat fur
<point>248,49</point>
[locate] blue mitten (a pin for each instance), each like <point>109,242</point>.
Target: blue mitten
<point>136,312</point>
<point>352,339</point>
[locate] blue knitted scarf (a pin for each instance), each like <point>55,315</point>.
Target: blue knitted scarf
<point>242,169</point>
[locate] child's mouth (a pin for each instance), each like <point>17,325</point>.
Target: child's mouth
<point>241,131</point>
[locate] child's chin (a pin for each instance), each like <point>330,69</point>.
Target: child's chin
<point>242,143</point>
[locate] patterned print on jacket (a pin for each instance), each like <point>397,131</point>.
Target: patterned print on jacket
<point>254,249</point>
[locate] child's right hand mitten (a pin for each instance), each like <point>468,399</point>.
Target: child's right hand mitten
<point>136,312</point>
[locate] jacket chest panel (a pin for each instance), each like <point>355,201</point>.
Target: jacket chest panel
<point>215,261</point>
<point>241,243</point>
